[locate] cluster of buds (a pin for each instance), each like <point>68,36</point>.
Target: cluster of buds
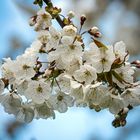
<point>120,118</point>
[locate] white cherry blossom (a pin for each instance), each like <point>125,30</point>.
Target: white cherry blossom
<point>62,52</point>
<point>43,20</point>
<point>34,49</point>
<point>25,114</point>
<point>78,92</point>
<point>131,96</point>
<point>115,104</point>
<point>25,67</point>
<point>38,91</point>
<point>1,86</point>
<point>104,60</point>
<point>61,101</point>
<point>96,95</point>
<point>8,70</point>
<point>86,74</point>
<point>64,82</point>
<point>73,66</point>
<point>44,36</point>
<point>44,111</point>
<point>93,51</point>
<point>54,40</point>
<point>101,59</point>
<point>120,50</point>
<point>11,103</point>
<point>126,73</point>
<point>69,30</point>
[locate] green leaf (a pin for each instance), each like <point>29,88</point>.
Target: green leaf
<point>108,77</point>
<point>118,77</point>
<point>99,44</point>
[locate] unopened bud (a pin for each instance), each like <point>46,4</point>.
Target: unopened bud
<point>94,31</point>
<point>32,21</point>
<point>5,81</point>
<point>83,19</point>
<point>48,72</point>
<point>117,116</point>
<point>136,63</point>
<point>116,123</point>
<point>123,122</point>
<point>130,107</point>
<point>71,14</point>
<point>97,109</point>
<point>125,110</point>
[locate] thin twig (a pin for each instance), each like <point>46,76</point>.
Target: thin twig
<point>59,20</point>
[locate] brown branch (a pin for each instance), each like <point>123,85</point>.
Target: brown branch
<point>59,20</point>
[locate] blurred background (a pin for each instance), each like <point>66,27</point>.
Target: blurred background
<point>117,20</point>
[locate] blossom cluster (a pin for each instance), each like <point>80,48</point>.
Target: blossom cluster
<point>59,71</point>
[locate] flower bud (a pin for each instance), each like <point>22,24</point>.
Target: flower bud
<point>83,19</point>
<point>32,21</point>
<point>123,122</point>
<point>94,31</point>
<point>136,63</point>
<point>125,110</point>
<point>130,107</point>
<point>71,14</point>
<point>48,72</point>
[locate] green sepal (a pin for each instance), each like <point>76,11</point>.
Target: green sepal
<point>66,21</point>
<point>39,2</point>
<point>54,11</point>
